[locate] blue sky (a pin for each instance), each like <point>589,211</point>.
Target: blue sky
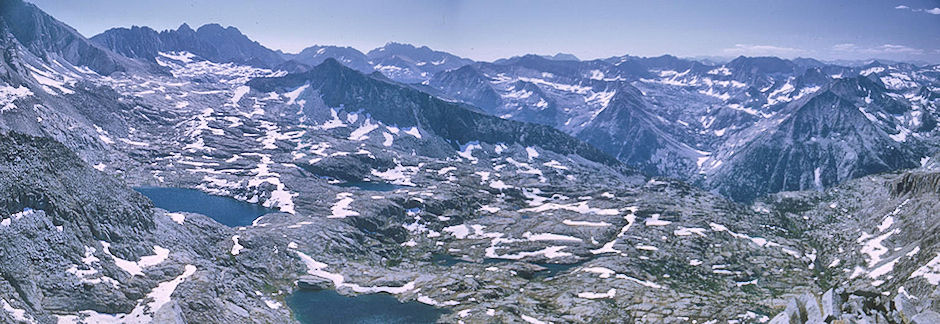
<point>490,29</point>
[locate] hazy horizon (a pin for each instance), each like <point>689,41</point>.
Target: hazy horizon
<point>832,31</point>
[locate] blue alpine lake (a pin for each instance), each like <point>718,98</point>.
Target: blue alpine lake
<point>228,211</point>
<point>328,306</point>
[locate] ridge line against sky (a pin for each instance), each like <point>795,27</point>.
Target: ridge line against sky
<point>486,30</point>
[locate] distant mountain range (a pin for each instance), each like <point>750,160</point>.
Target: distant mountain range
<point>709,123</point>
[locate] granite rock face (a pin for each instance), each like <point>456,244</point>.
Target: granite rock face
<point>42,35</point>
<point>211,42</point>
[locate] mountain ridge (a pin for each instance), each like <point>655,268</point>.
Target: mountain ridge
<point>460,125</point>
<point>212,41</point>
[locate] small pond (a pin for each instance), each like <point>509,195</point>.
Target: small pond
<point>225,210</point>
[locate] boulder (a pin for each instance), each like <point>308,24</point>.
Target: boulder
<point>314,283</point>
<point>927,317</point>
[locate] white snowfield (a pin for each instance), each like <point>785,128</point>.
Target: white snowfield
<point>9,95</point>
<point>930,271</point>
<point>341,208</point>
<point>593,295</point>
<point>135,268</point>
<point>236,248</point>
<point>18,314</point>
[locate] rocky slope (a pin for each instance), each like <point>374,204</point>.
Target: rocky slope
<point>43,36</point>
<point>848,130</point>
<point>875,264</point>
<point>81,246</point>
<point>43,87</point>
